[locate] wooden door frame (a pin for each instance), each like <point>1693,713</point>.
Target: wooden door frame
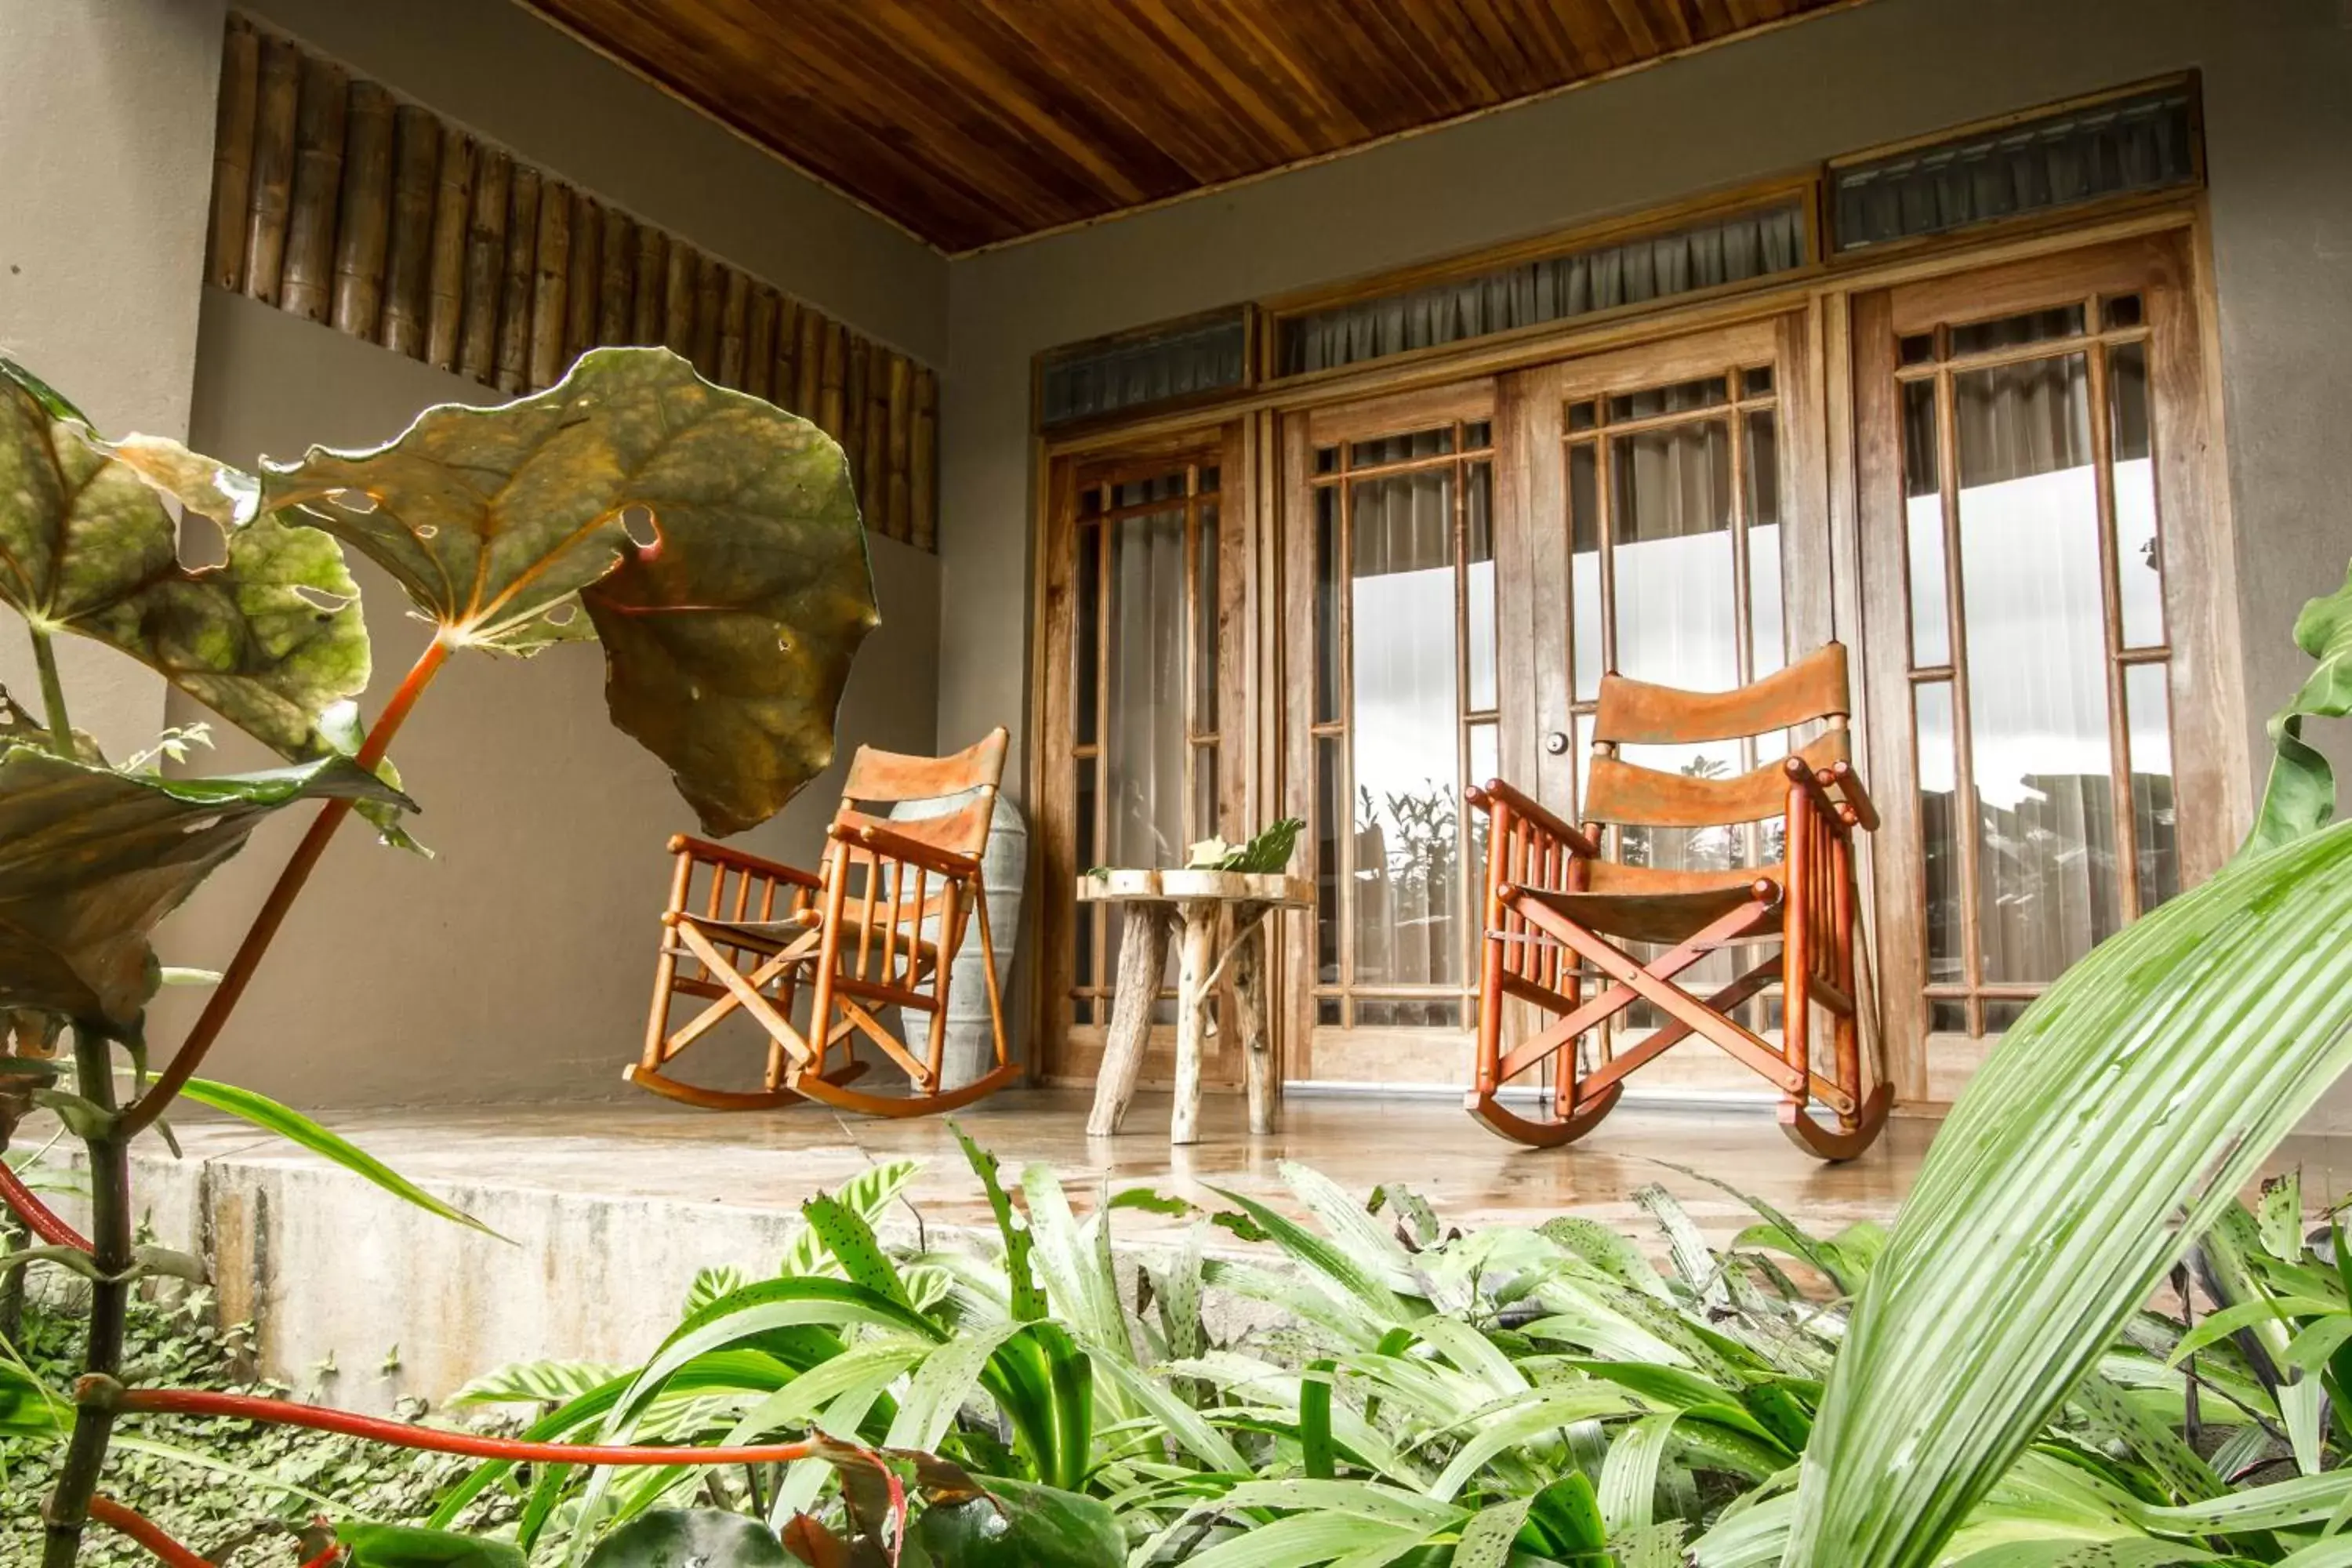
<point>1067,1051</point>
<point>1291,526</point>
<point>2196,533</point>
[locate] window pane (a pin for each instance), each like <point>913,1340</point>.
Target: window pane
<point>1671,527</point>
<point>1143,748</point>
<point>2139,574</point>
<point>2154,826</point>
<point>1085,629</point>
<point>1400,448</point>
<point>2011,331</point>
<point>1205,639</point>
<point>1331,821</point>
<point>1705,393</point>
<point>1404,729</point>
<point>1485,764</point>
<point>1205,822</point>
<point>2120,310</point>
<point>1326,605</point>
<point>1756,382</point>
<point>1769,652</point>
<point>1584,569</point>
<point>1385,1013</point>
<point>2030,590</point>
<point>1583,416</point>
<point>1089,855</point>
<point>1478,527</point>
<point>1923,521</point>
<point>1949,1017</point>
<point>2001,1012</point>
<point>1940,820</point>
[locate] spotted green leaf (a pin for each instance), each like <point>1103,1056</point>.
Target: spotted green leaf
<point>91,859</point>
<point>271,638</point>
<point>728,619</point>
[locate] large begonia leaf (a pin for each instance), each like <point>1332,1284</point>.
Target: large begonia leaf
<point>270,638</point>
<point>2300,796</point>
<point>728,621</point>
<point>91,859</point>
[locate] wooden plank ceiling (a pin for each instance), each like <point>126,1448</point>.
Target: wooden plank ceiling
<point>970,122</point>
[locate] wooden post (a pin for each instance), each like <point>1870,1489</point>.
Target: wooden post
<point>516,280</point>
<point>363,225</point>
<point>898,390</point>
<point>1250,1015</point>
<point>277,96</point>
<point>734,330</point>
<point>760,345</point>
<point>850,428</point>
<point>615,291</point>
<point>829,378</point>
<point>710,305</point>
<point>922,463</point>
<point>653,282</point>
<point>677,298</point>
<point>580,290</point>
<point>452,210</point>
<point>1196,1001</point>
<point>550,277</point>
<point>233,130</point>
<point>1142,954</point>
<point>808,364</point>
<point>785,382</point>
<point>408,255</point>
<point>486,249</point>
<point>319,123</point>
<point>874,442</point>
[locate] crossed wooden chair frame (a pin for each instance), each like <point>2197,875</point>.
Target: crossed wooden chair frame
<point>877,927</point>
<point>1560,916</point>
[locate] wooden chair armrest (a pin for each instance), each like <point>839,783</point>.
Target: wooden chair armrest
<point>899,847</point>
<point>1841,777</point>
<point>742,860</point>
<point>1496,792</point>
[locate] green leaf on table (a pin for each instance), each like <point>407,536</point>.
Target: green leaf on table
<point>296,1128</point>
<point>690,1538</point>
<point>409,1546</point>
<point>728,618</point>
<point>91,859</point>
<point>270,638</point>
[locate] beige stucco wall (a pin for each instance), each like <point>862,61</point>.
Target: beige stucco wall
<point>106,117</point>
<point>2278,102</point>
<point>515,964</point>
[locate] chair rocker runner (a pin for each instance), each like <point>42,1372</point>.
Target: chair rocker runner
<point>876,929</point>
<point>1562,919</point>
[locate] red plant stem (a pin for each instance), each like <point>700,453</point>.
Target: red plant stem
<point>330,1555</point>
<point>145,1532</point>
<point>250,1407</point>
<point>38,1218</point>
<point>258,935</point>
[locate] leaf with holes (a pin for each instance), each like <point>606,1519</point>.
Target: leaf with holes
<point>90,860</point>
<point>690,1538</point>
<point>271,638</point>
<point>728,619</point>
<point>1018,1524</point>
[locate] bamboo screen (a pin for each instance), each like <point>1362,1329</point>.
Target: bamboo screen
<point>337,202</point>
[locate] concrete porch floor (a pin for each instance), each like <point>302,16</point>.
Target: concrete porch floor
<point>612,1207</point>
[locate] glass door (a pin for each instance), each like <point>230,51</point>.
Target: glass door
<point>1389,536</point>
<point>2023,532</point>
<point>1146,572</point>
<point>1670,546</point>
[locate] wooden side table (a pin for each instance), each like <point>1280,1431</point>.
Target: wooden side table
<point>1192,902</point>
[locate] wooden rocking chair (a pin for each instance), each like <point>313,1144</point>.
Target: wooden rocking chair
<point>1557,910</point>
<point>876,927</point>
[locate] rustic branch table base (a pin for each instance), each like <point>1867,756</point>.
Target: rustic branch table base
<point>1194,904</point>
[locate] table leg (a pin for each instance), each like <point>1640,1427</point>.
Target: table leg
<point>1142,954</point>
<point>1195,1000</point>
<point>1250,1015</point>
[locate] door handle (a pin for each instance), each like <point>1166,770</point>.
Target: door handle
<point>1557,743</point>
